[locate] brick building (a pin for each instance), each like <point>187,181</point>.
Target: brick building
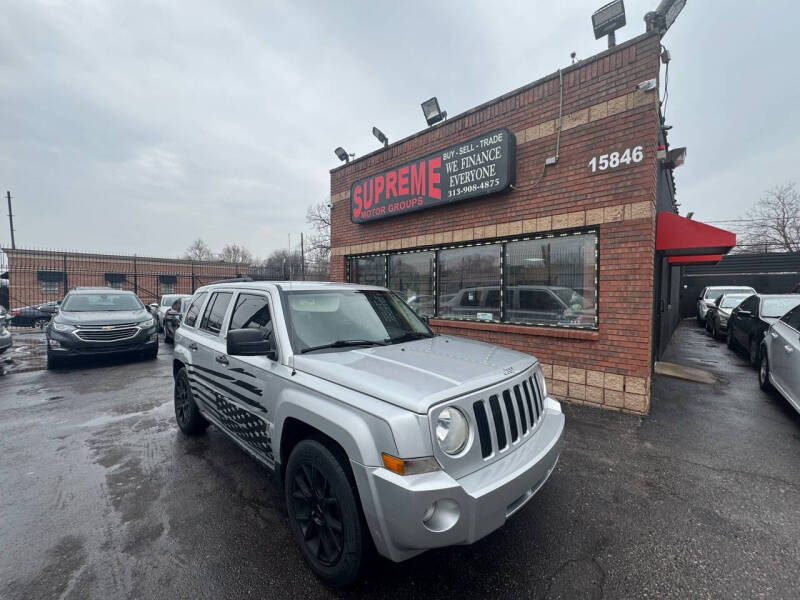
<point>553,249</point>
<point>37,276</point>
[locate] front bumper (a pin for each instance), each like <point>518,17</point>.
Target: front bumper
<point>471,507</point>
<point>68,345</point>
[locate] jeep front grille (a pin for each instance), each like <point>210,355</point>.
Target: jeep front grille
<point>106,333</point>
<point>515,412</point>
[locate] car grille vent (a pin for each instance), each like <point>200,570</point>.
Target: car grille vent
<point>106,333</point>
<point>524,407</point>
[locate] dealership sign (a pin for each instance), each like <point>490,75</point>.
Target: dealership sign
<point>477,167</point>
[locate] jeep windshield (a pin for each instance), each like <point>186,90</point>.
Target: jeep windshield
<point>100,302</point>
<point>320,320</point>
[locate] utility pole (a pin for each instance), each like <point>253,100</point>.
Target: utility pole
<point>302,259</point>
<point>11,220</point>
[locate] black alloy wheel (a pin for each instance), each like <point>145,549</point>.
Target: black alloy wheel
<point>189,419</point>
<point>318,514</point>
<point>324,513</point>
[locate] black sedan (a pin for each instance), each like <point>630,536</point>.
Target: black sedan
<point>751,319</point>
<point>34,316</point>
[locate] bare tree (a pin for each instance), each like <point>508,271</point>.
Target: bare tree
<point>234,253</point>
<point>319,217</point>
<point>199,250</point>
<point>774,222</point>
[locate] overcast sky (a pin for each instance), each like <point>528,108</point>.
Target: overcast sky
<point>140,126</point>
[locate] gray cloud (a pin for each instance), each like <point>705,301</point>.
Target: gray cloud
<point>140,126</point>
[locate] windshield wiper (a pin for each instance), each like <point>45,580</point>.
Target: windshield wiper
<point>344,344</point>
<point>409,336</point>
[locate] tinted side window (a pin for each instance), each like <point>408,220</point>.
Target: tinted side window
<point>750,304</point>
<point>215,312</point>
<point>194,310</point>
<point>792,318</point>
<point>252,312</point>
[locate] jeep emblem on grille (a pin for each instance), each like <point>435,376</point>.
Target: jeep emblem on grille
<point>508,370</point>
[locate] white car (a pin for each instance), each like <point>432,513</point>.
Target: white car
<point>164,305</point>
<point>710,293</point>
<point>780,358</point>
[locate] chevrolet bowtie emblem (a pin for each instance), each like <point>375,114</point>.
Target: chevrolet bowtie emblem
<point>107,327</point>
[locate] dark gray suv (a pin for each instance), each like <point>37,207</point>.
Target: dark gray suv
<point>94,321</point>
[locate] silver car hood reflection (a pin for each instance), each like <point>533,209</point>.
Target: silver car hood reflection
<point>416,375</point>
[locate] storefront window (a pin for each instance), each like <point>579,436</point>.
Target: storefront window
<point>368,270</point>
<point>469,282</point>
<point>551,281</point>
<point>411,276</point>
<point>547,281</point>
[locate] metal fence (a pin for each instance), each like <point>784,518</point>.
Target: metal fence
<point>33,281</point>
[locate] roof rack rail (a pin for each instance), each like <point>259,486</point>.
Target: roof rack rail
<point>232,280</point>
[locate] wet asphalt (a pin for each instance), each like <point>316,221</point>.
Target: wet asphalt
<point>101,497</point>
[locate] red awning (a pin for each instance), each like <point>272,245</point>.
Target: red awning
<point>697,259</point>
<point>679,236</point>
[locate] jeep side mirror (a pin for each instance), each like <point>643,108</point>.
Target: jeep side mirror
<point>249,342</point>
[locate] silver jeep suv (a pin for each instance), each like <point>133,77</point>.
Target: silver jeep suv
<point>376,428</point>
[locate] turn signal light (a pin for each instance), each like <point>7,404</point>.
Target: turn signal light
<point>409,466</point>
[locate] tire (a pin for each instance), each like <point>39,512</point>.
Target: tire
<point>763,372</point>
<point>753,353</point>
<point>731,341</point>
<point>188,416</point>
<point>320,497</point>
<point>169,337</point>
<point>714,332</point>
<point>53,362</point>
<point>40,323</point>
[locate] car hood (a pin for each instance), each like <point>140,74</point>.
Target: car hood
<point>106,317</point>
<point>416,375</point>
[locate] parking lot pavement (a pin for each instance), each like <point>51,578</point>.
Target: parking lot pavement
<point>101,497</point>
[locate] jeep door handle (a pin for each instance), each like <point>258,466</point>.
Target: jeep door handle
<point>774,335</point>
<point>192,346</point>
<point>222,359</point>
<point>788,349</point>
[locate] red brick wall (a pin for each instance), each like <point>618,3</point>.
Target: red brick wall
<point>90,270</point>
<point>602,113</point>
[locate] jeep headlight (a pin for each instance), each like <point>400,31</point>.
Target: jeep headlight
<point>452,430</point>
<point>149,322</point>
<point>63,327</point>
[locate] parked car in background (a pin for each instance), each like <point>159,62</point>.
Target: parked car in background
<point>174,316</point>
<point>37,315</point>
<point>95,321</point>
<point>780,358</point>
<point>751,319</point>
<point>523,303</point>
<point>422,304</point>
<point>710,293</point>
<point>720,311</point>
<point>5,334</point>
<point>164,305</point>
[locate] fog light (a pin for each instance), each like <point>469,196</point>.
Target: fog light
<point>429,513</point>
<point>153,337</point>
<point>55,344</point>
<point>441,515</point>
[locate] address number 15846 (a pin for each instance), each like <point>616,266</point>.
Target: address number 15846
<point>615,159</point>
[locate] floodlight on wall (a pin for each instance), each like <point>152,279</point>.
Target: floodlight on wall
<point>343,156</point>
<point>662,18</point>
<point>381,136</point>
<point>607,19</point>
<point>433,114</point>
